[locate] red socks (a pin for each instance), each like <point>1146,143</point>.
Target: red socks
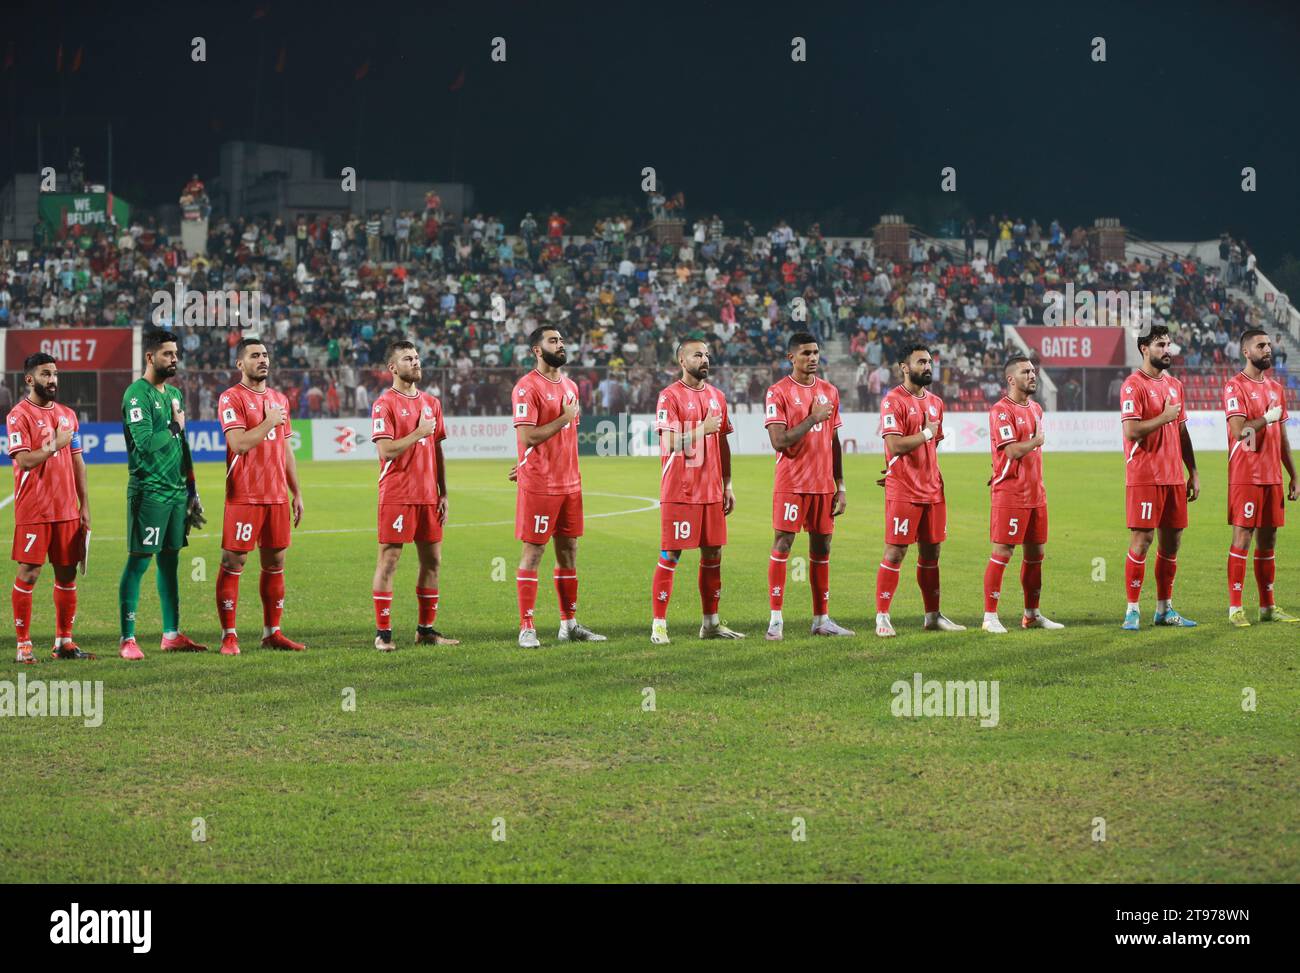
<point>927,579</point>
<point>886,585</point>
<point>710,579</point>
<point>428,605</point>
<point>1166,568</point>
<point>819,577</point>
<point>1237,575</point>
<point>661,589</point>
<point>383,610</point>
<point>776,580</point>
<point>65,609</point>
<point>1031,580</point>
<point>566,590</point>
<point>1265,568</point>
<point>993,583</point>
<point>22,604</point>
<point>1135,570</point>
<point>526,584</point>
<point>227,598</point>
<point>271,586</point>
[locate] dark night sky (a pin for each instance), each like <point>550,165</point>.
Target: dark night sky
<point>707,94</point>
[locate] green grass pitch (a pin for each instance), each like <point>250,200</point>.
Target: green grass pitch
<point>449,749</point>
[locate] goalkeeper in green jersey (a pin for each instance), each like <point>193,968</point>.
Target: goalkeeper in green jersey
<point>161,501</point>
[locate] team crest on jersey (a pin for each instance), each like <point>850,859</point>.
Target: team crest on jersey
<point>63,421</point>
<point>822,399</point>
<point>428,412</point>
<point>934,411</point>
<point>713,404</point>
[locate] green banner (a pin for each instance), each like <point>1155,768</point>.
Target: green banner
<point>301,441</point>
<point>62,213</point>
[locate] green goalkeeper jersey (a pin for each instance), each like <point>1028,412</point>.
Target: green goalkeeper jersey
<point>155,455</point>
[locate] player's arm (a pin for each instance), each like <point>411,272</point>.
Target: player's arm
<point>1189,460</point>
<point>291,478</point>
<point>783,436</point>
<point>1018,449</point>
<point>900,445</point>
<point>139,426</point>
<point>728,497</point>
<point>29,459</point>
<point>241,440</point>
<point>681,442</point>
<point>841,500</point>
<point>390,449</point>
<point>1135,429</point>
<point>83,494</point>
<point>1289,465</point>
<point>536,435</point>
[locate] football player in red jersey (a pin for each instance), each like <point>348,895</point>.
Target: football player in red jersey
<point>694,488</point>
<point>259,463</point>
<point>408,429</point>
<point>549,499</point>
<point>1018,509</point>
<point>916,512</point>
<point>1156,447</point>
<point>1258,450</point>
<point>802,417</point>
<point>51,509</point>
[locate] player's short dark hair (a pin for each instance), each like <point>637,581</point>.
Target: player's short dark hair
<point>33,362</point>
<point>247,343</point>
<point>1015,360</point>
<point>800,338</point>
<point>153,340</point>
<point>1251,333</point>
<point>693,340</point>
<point>401,344</point>
<point>908,350</point>
<point>1157,331</point>
<point>537,334</point>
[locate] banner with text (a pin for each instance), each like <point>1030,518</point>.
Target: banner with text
<point>1077,347</point>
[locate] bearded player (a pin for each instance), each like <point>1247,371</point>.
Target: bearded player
<point>802,418</point>
<point>408,430</point>
<point>51,509</point>
<point>549,499</point>
<point>916,512</point>
<point>1156,447</point>
<point>161,498</point>
<point>1258,449</point>
<point>1018,508</point>
<point>259,463</point>
<point>695,495</point>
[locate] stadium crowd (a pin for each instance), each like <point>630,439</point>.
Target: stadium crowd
<point>333,291</point>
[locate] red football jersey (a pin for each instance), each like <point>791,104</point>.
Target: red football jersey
<point>1016,482</point>
<point>413,476</point>
<point>551,467</point>
<point>805,467</point>
<point>1244,396</point>
<point>258,475</point>
<point>1158,459</point>
<point>48,492</point>
<point>914,476</point>
<point>693,475</point>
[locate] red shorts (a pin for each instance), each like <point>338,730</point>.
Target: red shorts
<point>1150,507</point>
<point>405,523</point>
<point>1018,525</point>
<point>249,525</point>
<point>1256,505</point>
<point>792,512</point>
<point>62,541</point>
<point>538,516</point>
<point>688,525</point>
<point>907,523</point>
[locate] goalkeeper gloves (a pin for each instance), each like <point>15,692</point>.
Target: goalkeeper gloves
<point>194,517</point>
